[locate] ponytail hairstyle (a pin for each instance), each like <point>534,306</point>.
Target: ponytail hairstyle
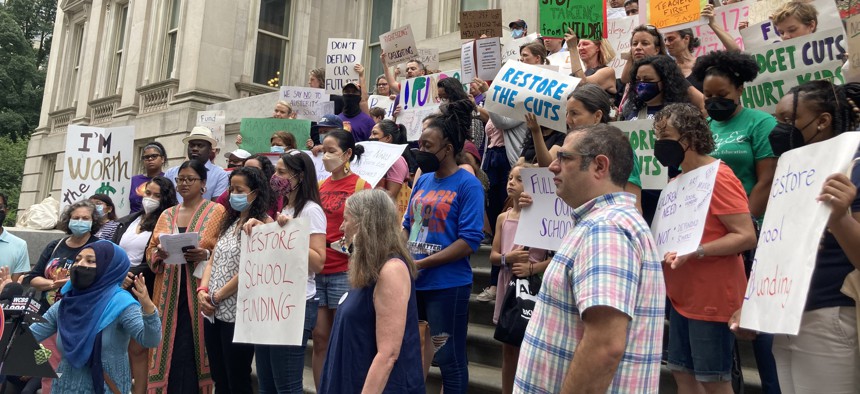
<point>346,141</point>
<point>536,49</point>
<point>306,174</point>
<point>838,101</point>
<point>594,99</point>
<point>694,41</point>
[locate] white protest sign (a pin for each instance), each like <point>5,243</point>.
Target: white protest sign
<point>399,45</point>
<point>728,17</point>
<point>620,31</point>
<point>679,221</point>
<point>384,102</point>
<point>273,278</point>
<point>216,122</point>
<point>761,33</point>
<point>340,60</point>
<point>322,174</point>
<point>522,88</point>
<point>481,58</point>
<point>377,159</point>
<point>305,101</point>
<point>787,64</point>
<point>413,121</point>
<point>561,60</point>
<point>544,223</point>
<point>428,57</point>
<point>511,46</point>
<point>324,107</point>
<point>98,161</point>
<point>418,92</point>
<point>467,61</point>
<point>642,137</point>
<point>616,13</point>
<point>791,233</point>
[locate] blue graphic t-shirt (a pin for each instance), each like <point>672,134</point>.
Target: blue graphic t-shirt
<point>440,212</point>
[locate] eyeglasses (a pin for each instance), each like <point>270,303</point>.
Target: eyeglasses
<point>185,181</point>
<point>567,156</point>
<point>149,157</point>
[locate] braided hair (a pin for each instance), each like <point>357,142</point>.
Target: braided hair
<point>838,101</point>
<point>454,121</point>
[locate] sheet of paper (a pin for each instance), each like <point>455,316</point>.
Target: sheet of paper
<point>173,244</point>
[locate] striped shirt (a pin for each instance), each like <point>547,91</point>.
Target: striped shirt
<point>608,259</point>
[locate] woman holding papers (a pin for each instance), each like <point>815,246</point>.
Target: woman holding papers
<point>700,342</point>
<point>398,175</point>
<point>180,364</point>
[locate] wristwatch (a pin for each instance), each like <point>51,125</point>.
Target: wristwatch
<point>700,252</point>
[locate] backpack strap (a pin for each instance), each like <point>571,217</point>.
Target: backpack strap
<point>359,185</point>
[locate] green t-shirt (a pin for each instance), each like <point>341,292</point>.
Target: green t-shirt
<point>637,169</point>
<point>742,141</point>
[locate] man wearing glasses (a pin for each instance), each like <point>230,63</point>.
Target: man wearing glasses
<point>200,145</point>
<point>14,259</point>
<point>597,325</point>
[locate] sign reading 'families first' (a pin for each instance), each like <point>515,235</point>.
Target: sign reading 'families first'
<point>520,88</point>
<point>340,60</point>
<point>98,161</point>
<point>679,221</point>
<point>544,223</point>
<point>273,278</point>
<point>791,233</point>
<point>584,17</point>
<point>399,45</point>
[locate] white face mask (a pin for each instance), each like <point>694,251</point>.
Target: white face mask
<point>332,161</point>
<point>150,204</point>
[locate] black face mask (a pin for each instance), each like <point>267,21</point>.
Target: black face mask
<point>427,161</point>
<point>785,137</point>
<point>2,217</point>
<point>720,108</point>
<point>82,277</point>
<point>373,139</point>
<point>350,105</point>
<point>669,153</point>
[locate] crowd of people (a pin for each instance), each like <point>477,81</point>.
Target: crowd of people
<point>389,273</point>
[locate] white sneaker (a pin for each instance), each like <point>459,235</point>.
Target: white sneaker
<point>489,294</point>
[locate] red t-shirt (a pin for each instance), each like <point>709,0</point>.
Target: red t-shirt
<point>333,195</point>
<point>712,288</point>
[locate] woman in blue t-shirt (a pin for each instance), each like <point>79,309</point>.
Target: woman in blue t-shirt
<point>446,209</point>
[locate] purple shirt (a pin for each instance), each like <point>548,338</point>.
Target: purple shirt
<point>135,195</point>
<point>361,125</point>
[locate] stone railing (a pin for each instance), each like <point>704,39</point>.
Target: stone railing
<point>59,120</point>
<point>252,89</point>
<point>157,96</point>
<point>102,110</point>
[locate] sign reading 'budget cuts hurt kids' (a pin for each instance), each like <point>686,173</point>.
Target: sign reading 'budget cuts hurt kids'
<point>340,60</point>
<point>273,279</point>
<point>98,161</point>
<point>520,88</point>
<point>679,221</point>
<point>544,223</point>
<point>791,233</point>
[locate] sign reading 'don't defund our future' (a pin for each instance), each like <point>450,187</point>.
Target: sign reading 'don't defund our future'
<point>521,88</point>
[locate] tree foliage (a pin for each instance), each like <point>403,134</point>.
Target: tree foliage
<point>21,83</point>
<point>36,20</point>
<point>13,154</point>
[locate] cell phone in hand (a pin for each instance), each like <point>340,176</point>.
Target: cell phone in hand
<point>185,249</point>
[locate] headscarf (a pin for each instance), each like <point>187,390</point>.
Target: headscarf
<point>83,314</point>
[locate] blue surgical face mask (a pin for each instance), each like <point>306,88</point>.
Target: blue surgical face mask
<point>277,149</point>
<point>100,209</point>
<point>517,33</point>
<point>239,202</point>
<point>80,226</point>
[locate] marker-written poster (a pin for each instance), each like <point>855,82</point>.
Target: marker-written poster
<point>98,161</point>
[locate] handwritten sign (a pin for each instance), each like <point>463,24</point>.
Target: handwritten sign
<point>418,92</point>
<point>787,64</point>
<point>791,232</point>
<point>428,57</point>
<point>511,46</point>
<point>257,133</point>
<point>377,159</point>
<point>670,15</point>
<point>273,276</point>
<point>544,223</point>
<point>683,206</point>
<point>561,62</point>
<point>522,88</point>
<point>642,137</point>
<point>760,33</point>
<point>414,120</point>
<point>215,121</point>
<point>761,10</point>
<point>481,58</point>
<point>853,26</point>
<point>619,32</point>
<point>384,102</point>
<point>474,24</point>
<point>728,17</point>
<point>98,161</point>
<point>305,101</point>
<point>341,57</point>
<point>399,45</point>
<point>585,17</point>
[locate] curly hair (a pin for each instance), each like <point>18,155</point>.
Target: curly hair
<point>454,122</point>
<point>691,125</point>
<point>838,101</point>
<point>739,68</point>
<point>259,207</point>
<point>674,83</point>
<point>167,200</point>
<point>63,223</point>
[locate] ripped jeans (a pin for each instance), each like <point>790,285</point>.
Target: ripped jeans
<point>447,311</point>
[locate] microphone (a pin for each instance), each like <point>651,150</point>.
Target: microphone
<point>10,291</point>
<point>24,306</point>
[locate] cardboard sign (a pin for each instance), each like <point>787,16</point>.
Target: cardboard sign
<point>399,45</point>
<point>257,133</point>
<point>761,10</point>
<point>585,17</point>
<point>511,46</point>
<point>544,223</point>
<point>384,102</point>
<point>672,15</point>
<point>729,18</point>
<point>521,88</point>
<point>853,26</point>
<point>764,32</point>
<point>791,233</point>
<point>620,32</point>
<point>414,120</point>
<point>474,24</point>
<point>98,161</point>
<point>305,101</point>
<point>642,137</point>
<point>787,64</point>
<point>377,159</point>
<point>481,58</point>
<point>429,57</point>
<point>216,122</point>
<point>679,221</point>
<point>341,57</point>
<point>273,278</point>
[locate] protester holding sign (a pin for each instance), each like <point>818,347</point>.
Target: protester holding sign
<point>795,19</point>
<point>230,362</point>
<point>596,56</point>
<point>657,82</point>
<point>824,356</point>
<point>682,44</point>
<point>316,79</point>
<point>700,343</point>
<point>153,159</point>
<point>375,345</point>
<point>282,141</point>
<point>450,90</point>
<point>549,137</point>
<point>398,175</point>
<point>180,363</point>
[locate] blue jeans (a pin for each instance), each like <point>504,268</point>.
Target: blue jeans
<point>447,311</point>
<point>280,368</point>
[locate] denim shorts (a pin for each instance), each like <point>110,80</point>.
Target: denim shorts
<point>700,348</point>
<point>331,287</point>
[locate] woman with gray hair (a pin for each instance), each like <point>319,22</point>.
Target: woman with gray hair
<point>381,305</point>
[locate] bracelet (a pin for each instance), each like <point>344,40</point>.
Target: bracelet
<point>503,260</point>
<point>203,288</point>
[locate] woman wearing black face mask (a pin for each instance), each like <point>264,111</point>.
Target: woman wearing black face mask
<point>355,108</point>
<point>700,342</point>
<point>656,82</point>
<point>95,320</point>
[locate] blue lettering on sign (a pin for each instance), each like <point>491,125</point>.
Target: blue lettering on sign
<point>791,181</point>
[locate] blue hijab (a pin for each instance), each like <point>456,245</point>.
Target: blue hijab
<point>84,313</point>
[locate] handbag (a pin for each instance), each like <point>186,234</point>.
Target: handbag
<point>427,348</point>
<point>517,308</point>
